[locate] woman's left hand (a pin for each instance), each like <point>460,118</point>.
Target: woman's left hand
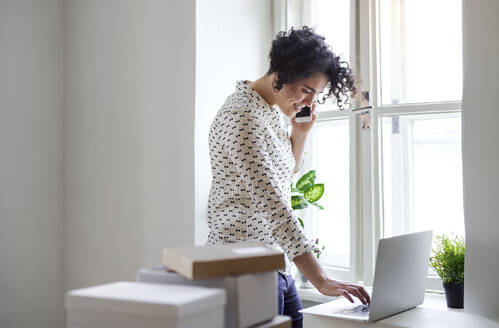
<point>304,128</point>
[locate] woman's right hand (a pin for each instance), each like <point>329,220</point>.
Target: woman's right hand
<point>336,288</point>
<point>310,268</point>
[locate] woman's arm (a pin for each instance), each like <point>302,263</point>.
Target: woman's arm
<point>299,132</point>
<point>310,268</point>
<point>298,145</point>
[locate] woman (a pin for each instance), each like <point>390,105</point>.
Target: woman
<point>253,158</point>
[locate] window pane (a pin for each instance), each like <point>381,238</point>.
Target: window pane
<point>420,51</point>
<point>332,20</point>
<point>332,224</point>
<point>422,174</point>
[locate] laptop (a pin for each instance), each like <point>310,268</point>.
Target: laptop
<point>399,281</point>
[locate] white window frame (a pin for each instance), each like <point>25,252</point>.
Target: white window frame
<point>379,110</point>
<point>366,210</point>
<point>342,273</point>
<point>433,281</point>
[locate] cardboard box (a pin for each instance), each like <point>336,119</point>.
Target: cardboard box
<point>200,262</point>
<point>133,304</point>
<point>251,298</point>
<point>280,321</point>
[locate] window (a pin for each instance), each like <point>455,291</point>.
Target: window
<point>395,168</point>
<point>422,180</point>
<point>334,166</point>
<point>331,17</point>
<point>420,51</point>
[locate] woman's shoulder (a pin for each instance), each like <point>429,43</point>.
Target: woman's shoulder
<point>238,108</point>
<point>236,121</point>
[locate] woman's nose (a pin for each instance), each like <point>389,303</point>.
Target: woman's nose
<point>309,99</point>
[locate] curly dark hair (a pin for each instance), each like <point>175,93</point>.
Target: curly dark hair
<point>299,54</point>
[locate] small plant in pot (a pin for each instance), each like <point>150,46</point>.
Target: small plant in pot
<point>448,261</point>
<point>304,193</point>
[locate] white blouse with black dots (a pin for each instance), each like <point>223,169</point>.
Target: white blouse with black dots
<point>252,164</point>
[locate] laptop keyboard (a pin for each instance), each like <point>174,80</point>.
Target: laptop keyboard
<point>358,311</point>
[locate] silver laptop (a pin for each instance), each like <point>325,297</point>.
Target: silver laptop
<point>399,281</point>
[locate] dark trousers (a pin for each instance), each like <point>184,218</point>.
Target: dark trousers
<point>289,302</point>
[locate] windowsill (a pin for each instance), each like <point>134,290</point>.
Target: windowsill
<point>432,313</point>
<point>433,300</point>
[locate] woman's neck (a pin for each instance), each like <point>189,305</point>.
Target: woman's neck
<point>263,86</point>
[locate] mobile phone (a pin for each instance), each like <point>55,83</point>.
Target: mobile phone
<point>304,115</point>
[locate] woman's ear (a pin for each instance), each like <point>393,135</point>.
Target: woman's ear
<point>275,79</point>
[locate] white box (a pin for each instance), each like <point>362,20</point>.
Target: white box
<point>134,304</point>
<point>251,298</point>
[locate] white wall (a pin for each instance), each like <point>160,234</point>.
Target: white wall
<point>31,163</point>
<point>129,135</point>
<point>481,155</point>
<point>133,72</point>
<point>232,43</point>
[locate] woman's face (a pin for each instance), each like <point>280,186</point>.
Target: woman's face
<point>292,97</point>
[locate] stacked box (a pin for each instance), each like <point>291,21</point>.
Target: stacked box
<point>134,304</point>
<point>200,262</point>
<point>246,271</point>
<point>251,298</point>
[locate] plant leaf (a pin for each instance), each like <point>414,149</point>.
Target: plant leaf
<point>314,192</point>
<point>448,258</point>
<point>306,181</point>
<point>298,202</point>
<point>301,222</point>
<point>317,205</point>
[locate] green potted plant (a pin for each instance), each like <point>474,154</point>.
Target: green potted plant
<point>304,193</point>
<point>448,261</point>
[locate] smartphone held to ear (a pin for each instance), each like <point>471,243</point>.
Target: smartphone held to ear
<point>304,115</point>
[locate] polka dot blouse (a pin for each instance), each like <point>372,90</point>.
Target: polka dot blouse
<point>252,164</point>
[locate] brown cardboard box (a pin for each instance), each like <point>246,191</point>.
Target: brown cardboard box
<point>280,321</point>
<point>201,262</point>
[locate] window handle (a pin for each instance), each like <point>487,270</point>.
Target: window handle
<point>365,108</point>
